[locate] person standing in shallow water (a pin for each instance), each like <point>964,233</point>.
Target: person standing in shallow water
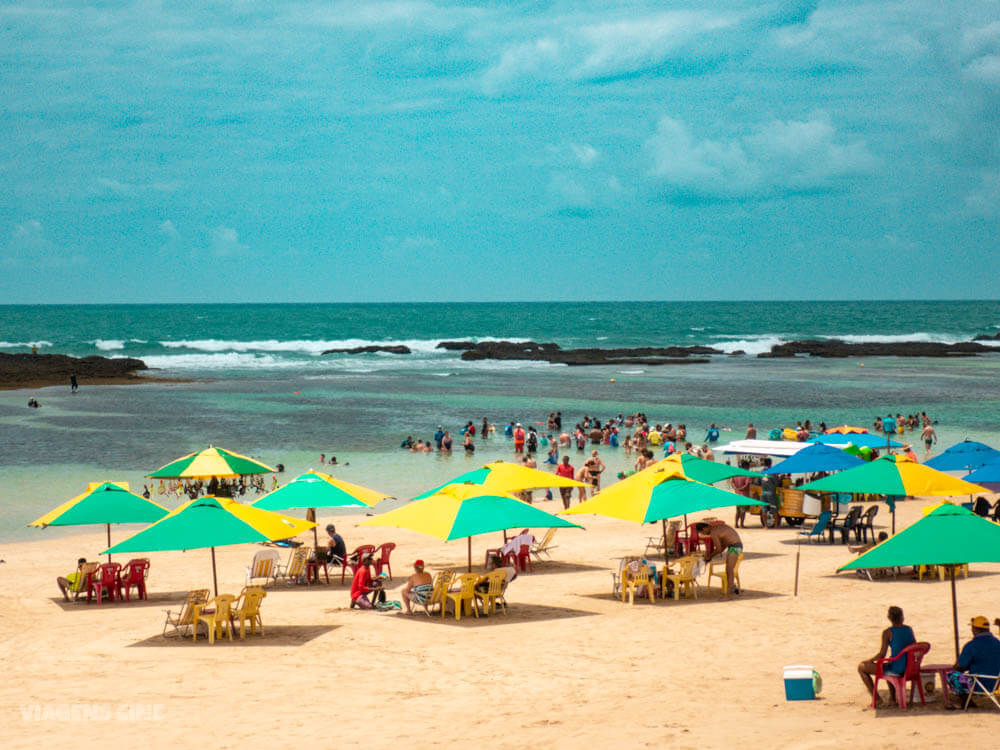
<point>73,386</point>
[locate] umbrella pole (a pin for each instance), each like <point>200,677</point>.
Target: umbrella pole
<point>108,525</point>
<point>798,554</point>
<point>469,540</point>
<point>215,579</point>
<point>954,610</point>
<point>666,552</point>
<point>315,533</point>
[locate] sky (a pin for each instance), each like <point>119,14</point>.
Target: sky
<point>410,150</point>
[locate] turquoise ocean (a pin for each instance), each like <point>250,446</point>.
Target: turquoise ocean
<point>255,381</point>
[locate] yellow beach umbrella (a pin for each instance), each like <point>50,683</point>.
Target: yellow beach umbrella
<point>103,503</point>
<point>211,462</point>
<point>507,477</point>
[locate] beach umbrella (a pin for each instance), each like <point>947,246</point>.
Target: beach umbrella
<point>861,439</point>
<point>949,535</point>
<point>988,475</point>
<point>657,495</point>
<point>465,510</point>
<point>103,502</point>
<point>846,429</point>
<point>211,462</point>
<point>315,489</point>
<point>701,469</point>
<point>894,476</point>
<point>507,477</point>
<point>212,522</point>
<point>817,457</point>
<point>965,456</point>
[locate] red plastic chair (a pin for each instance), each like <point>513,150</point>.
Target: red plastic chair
<point>133,574</point>
<point>105,578</point>
<point>354,559</point>
<point>690,538</point>
<point>384,550</point>
<point>914,655</point>
<point>520,560</point>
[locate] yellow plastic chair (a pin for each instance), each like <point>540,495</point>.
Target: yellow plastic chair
<point>721,574</point>
<point>683,578</point>
<point>215,617</point>
<point>442,581</point>
<point>941,571</point>
<point>642,579</point>
<point>295,570</point>
<point>494,592</point>
<point>185,616</point>
<point>247,610</point>
<point>616,577</point>
<point>464,598</point>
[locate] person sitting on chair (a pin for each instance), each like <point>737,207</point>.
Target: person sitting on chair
<point>72,581</point>
<point>418,588</point>
<point>336,549</point>
<point>894,639</point>
<point>980,656</point>
<point>366,591</point>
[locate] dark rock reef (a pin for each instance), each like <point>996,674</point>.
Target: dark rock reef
<point>36,370</point>
<point>549,352</point>
<point>394,349</point>
<point>838,348</point>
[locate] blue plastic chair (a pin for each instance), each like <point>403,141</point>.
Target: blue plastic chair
<point>818,530</point>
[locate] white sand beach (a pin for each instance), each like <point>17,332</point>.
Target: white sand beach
<point>567,666</point>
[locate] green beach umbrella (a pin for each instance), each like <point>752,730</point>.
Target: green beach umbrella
<point>212,522</point>
<point>701,469</point>
<point>657,495</point>
<point>895,476</point>
<point>465,510</point>
<point>949,535</point>
<point>507,477</point>
<point>106,503</point>
<point>317,490</point>
<point>211,462</point>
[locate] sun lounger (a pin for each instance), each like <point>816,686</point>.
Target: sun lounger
<point>264,565</point>
<point>185,616</point>
<point>543,547</point>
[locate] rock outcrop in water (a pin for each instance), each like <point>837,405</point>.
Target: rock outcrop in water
<point>456,346</point>
<point>393,349</point>
<point>549,352</point>
<point>837,348</point>
<point>37,370</point>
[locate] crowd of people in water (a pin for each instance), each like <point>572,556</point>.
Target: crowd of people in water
<point>215,486</point>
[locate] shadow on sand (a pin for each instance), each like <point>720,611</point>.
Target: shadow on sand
<point>274,635</point>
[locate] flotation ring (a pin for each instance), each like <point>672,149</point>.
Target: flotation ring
<point>789,434</point>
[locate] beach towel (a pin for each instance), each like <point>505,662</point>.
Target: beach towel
<point>422,594</point>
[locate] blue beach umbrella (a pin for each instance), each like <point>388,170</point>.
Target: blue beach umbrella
<point>817,457</point>
<point>987,475</point>
<point>861,439</point>
<point>965,456</point>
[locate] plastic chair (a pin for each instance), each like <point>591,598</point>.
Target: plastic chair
<point>940,571</point>
<point>642,579</point>
<point>216,619</point>
<point>134,573</point>
<point>520,560</point>
<point>721,575</point>
<point>494,592</point>
<point>867,523</point>
<point>616,576</point>
<point>464,598</point>
<point>441,583</point>
<point>247,610</point>
<point>185,616</point>
<point>354,559</point>
<point>264,565</point>
<point>816,532</point>
<point>107,578</point>
<point>383,551</point>
<point>850,523</point>
<point>914,655</point>
<point>295,569</point>
<point>683,578</point>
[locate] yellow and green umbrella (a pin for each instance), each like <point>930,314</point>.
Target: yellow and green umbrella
<point>507,477</point>
<point>465,510</point>
<point>212,522</point>
<point>106,503</point>
<point>211,462</point>
<point>949,535</point>
<point>895,476</point>
<point>657,495</point>
<point>315,489</point>
<point>701,469</point>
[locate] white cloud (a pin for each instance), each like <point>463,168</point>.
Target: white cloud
<point>585,153</point>
<point>780,156</point>
<point>167,228</point>
<point>225,242</point>
<point>984,68</point>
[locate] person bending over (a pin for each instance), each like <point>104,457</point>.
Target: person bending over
<point>365,590</point>
<point>895,638</point>
<point>725,541</point>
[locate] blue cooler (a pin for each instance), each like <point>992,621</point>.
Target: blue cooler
<point>802,683</point>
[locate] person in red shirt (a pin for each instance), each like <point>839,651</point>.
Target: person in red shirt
<point>518,439</point>
<point>565,470</point>
<point>363,589</point>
